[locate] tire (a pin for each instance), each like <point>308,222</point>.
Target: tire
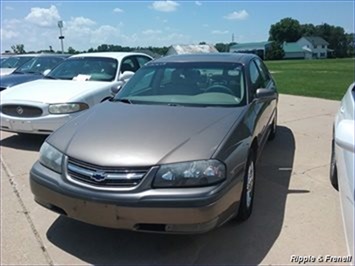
<point>333,172</point>
<point>273,131</point>
<point>247,198</point>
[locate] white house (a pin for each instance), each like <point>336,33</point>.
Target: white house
<point>294,51</point>
<point>317,45</point>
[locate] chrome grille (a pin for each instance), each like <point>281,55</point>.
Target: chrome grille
<point>100,176</point>
<point>19,110</point>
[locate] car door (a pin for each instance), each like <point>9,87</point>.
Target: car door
<point>268,83</point>
<point>260,106</point>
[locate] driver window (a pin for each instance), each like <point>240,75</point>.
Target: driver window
<point>256,79</point>
<point>128,65</point>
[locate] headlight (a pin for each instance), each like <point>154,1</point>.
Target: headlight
<point>190,174</point>
<point>66,108</point>
<point>51,158</point>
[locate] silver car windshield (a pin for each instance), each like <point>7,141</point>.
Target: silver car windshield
<point>195,84</point>
<point>86,68</point>
<point>15,61</point>
<point>39,64</point>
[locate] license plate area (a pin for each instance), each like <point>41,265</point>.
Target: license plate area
<point>21,125</point>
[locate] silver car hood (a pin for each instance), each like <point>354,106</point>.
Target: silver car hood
<point>120,134</point>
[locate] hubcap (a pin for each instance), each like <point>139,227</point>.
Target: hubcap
<point>250,184</point>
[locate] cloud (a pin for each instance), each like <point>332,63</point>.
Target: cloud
<point>7,34</point>
<point>81,22</point>
<point>9,8</point>
<point>220,32</point>
<point>237,15</point>
<point>198,3</point>
<point>118,10</point>
<point>104,34</point>
<point>150,32</point>
<point>165,6</point>
<point>44,17</point>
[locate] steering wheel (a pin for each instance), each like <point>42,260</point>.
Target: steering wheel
<point>219,88</point>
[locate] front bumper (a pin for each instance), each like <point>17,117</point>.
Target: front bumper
<point>157,210</point>
<point>33,125</point>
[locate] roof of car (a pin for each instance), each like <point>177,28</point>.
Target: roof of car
<point>211,57</point>
<point>116,55</point>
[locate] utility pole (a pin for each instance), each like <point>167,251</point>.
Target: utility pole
<point>61,37</point>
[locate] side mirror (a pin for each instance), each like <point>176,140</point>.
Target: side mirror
<point>117,87</point>
<point>344,135</point>
<point>125,76</point>
<point>265,94</point>
<point>45,73</point>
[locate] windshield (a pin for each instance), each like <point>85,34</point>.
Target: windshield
<point>15,61</point>
<point>194,84</point>
<point>86,68</point>
<point>39,64</point>
<point>2,59</point>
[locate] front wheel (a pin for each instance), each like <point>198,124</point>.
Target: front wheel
<point>247,199</point>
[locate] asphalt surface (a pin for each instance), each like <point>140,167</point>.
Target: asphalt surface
<point>296,211</point>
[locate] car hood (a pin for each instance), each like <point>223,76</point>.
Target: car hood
<point>119,134</point>
<point>6,71</point>
<point>14,79</point>
<point>50,91</point>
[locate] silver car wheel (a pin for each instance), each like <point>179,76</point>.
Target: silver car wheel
<point>250,184</point>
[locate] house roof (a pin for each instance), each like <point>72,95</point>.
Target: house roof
<point>194,48</point>
<point>250,46</point>
<point>292,47</point>
<point>315,40</point>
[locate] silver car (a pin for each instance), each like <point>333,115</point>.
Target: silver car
<point>342,162</point>
<point>174,151</point>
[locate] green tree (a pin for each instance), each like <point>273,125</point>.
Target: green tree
<point>350,41</point>
<point>308,30</point>
<point>71,50</point>
<point>18,49</point>
<point>336,38</point>
<point>102,48</point>
<point>274,52</point>
<point>286,30</point>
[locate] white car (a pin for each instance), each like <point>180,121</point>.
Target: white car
<point>78,83</point>
<point>11,63</point>
<point>342,162</point>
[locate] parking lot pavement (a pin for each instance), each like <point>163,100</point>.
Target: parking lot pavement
<point>296,210</point>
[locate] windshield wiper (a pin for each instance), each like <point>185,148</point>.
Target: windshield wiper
<point>123,100</point>
<point>174,104</point>
<point>32,72</point>
<point>49,77</point>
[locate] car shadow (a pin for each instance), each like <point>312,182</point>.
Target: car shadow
<point>233,243</point>
<point>26,142</point>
